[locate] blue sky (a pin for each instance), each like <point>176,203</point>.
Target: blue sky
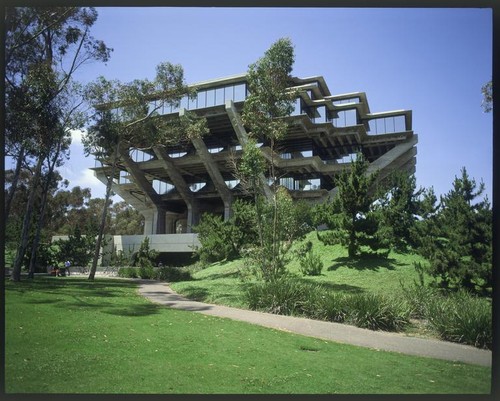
<point>431,61</point>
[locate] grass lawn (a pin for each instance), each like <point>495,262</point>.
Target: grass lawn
<point>220,283</point>
<point>69,335</point>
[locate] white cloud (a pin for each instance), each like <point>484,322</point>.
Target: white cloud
<point>76,136</point>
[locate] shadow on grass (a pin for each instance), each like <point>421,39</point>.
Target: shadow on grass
<point>134,310</point>
<point>327,285</point>
<point>195,293</point>
<point>365,261</point>
<point>70,293</point>
<point>217,276</point>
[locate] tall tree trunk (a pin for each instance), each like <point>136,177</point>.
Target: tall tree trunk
<point>45,192</point>
<point>13,185</point>
<point>21,251</point>
<point>98,244</point>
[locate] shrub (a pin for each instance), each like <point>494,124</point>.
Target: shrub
<point>311,264</point>
<point>376,312</point>
<point>419,298</point>
<point>145,271</point>
<point>128,272</point>
<point>172,274</point>
<point>167,273</point>
<point>284,296</point>
<point>332,307</point>
<point>462,317</point>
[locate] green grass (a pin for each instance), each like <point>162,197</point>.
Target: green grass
<point>220,283</point>
<point>69,335</point>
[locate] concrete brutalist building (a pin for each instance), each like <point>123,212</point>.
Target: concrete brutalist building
<point>173,186</point>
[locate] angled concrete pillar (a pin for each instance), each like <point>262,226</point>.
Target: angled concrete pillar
<point>181,186</point>
<point>242,136</point>
<point>155,219</point>
<point>215,175</point>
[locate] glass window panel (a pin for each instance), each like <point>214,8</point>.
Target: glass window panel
<point>192,103</point>
<point>219,96</point>
<point>296,110</point>
<point>389,122</point>
<point>202,99</point>
<point>228,93</point>
<point>373,126</point>
<point>350,117</point>
<point>399,124</point>
<point>322,114</point>
<point>210,98</point>
<point>184,102</point>
<point>239,93</point>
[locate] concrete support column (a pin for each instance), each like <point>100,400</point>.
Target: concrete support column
<point>160,221</point>
<point>170,219</point>
<point>148,221</point>
<point>193,216</point>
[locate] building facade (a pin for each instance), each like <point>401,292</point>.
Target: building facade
<point>172,186</point>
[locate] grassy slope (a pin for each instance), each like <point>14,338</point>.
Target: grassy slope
<point>220,282</point>
<point>69,335</point>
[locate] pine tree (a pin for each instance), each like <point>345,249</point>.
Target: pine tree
<point>461,255</point>
<point>350,214</point>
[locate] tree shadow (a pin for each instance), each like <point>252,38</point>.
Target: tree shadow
<point>216,276</point>
<point>82,293</point>
<point>353,289</point>
<point>134,310</point>
<point>195,293</point>
<point>365,261</point>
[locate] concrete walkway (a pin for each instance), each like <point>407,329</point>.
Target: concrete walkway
<point>161,293</point>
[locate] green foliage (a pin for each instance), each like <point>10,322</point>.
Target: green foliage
<point>172,274</point>
<point>487,91</point>
<point>310,263</point>
<point>398,207</point>
<point>166,273</point>
<point>283,296</point>
<point>145,257</point>
<point>78,248</point>
<point>350,212</point>
<point>278,225</point>
<point>251,165</point>
<point>288,296</point>
<point>376,312</point>
<point>128,272</point>
<point>459,244</point>
<point>109,329</point>
<point>269,98</point>
<point>224,240</point>
<point>462,317</point>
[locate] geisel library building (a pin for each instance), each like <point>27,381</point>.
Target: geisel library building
<point>173,186</point>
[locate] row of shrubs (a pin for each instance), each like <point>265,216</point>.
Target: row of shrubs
<point>458,317</point>
<point>166,273</point>
<point>455,316</point>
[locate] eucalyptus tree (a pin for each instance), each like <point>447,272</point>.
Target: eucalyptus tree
<point>128,115</point>
<point>270,100</point>
<point>44,48</point>
<point>487,91</point>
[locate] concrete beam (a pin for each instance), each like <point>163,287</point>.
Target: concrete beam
<point>390,161</point>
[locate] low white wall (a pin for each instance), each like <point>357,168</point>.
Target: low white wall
<point>159,242</point>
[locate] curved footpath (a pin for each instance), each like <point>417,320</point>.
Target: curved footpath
<point>161,293</point>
